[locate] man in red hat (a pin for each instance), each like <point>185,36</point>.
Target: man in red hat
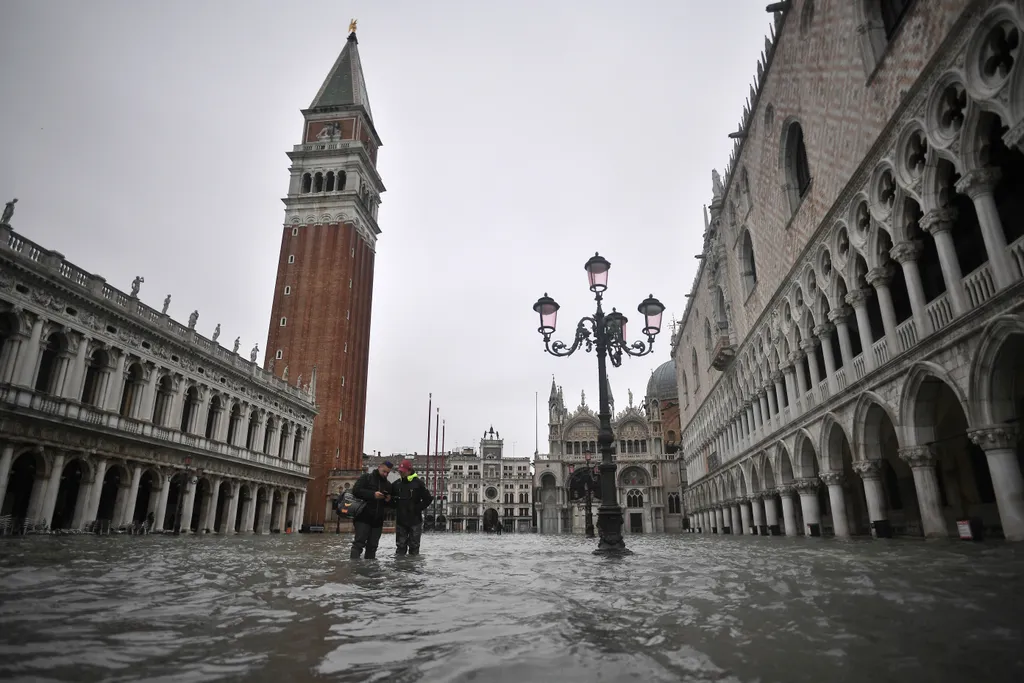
<point>412,498</point>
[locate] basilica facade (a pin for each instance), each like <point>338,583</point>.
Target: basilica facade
<point>851,360</point>
<point>649,479</point>
<point>113,415</point>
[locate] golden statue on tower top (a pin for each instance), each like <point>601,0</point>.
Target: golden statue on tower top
<point>352,26</point>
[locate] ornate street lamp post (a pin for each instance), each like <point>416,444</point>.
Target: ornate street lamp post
<point>608,333</point>
<point>589,517</point>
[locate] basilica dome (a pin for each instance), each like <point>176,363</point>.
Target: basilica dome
<point>662,384</point>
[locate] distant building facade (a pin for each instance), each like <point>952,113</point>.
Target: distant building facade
<point>113,414</point>
<point>851,358</point>
<point>649,480</point>
<point>488,490</point>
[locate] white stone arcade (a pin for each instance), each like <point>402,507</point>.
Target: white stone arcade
<point>112,414</point>
<point>882,389</point>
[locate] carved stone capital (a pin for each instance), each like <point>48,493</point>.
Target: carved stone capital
<point>806,486</point>
<point>796,356</point>
<point>858,298</point>
<point>903,252</point>
<point>979,182</point>
<point>879,277</point>
<point>838,315</point>
<point>808,345</point>
<point>786,489</point>
<point>938,220</point>
<point>777,376</point>
<point>1014,137</point>
<point>868,469</point>
<point>995,437</point>
<point>831,478</point>
<point>823,331</point>
<point>918,456</point>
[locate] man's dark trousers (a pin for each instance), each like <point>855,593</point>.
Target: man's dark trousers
<point>367,536</point>
<point>408,538</point>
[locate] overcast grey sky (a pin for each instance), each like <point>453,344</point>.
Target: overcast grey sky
<point>149,138</point>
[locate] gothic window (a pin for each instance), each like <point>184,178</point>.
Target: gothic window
<point>674,507</point>
<point>879,22</point>
<point>686,389</point>
<point>707,339</point>
<point>634,499</point>
<point>797,170</point>
<point>696,376</point>
<point>654,470</point>
<point>748,265</point>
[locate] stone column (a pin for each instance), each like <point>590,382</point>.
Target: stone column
<point>736,525</point>
<point>808,490</point>
<point>879,279</point>
<point>27,373</point>
<point>143,408</point>
<point>132,495</point>
<point>762,400</point>
<point>249,526</point>
<point>37,499</point>
<point>175,406</point>
<point>773,403</point>
<point>719,520</point>
<point>85,494</point>
<point>76,378</point>
<point>837,501</point>
<point>6,458</point>
<point>796,358</point>
<point>838,318</point>
<point>979,184</point>
<point>906,254</point>
<point>824,335</point>
<point>939,222</point>
<point>757,510</point>
<point>922,463</point>
<point>777,378</point>
<point>1000,445</point>
<point>870,472</point>
<point>789,373</point>
<point>96,492</point>
<point>161,503</point>
<point>771,512</point>
<point>115,385</point>
<point>232,514</point>
<point>788,509</point>
<point>755,406</point>
<point>268,512</point>
<point>52,488</point>
<point>810,350</point>
<point>858,298</point>
<point>745,515</point>
<point>209,520</point>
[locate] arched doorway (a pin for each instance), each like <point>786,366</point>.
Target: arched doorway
<point>490,520</point>
<point>115,483</point>
<point>898,505</point>
<point>200,505</point>
<point>175,499</point>
<point>244,501</point>
<point>223,503</point>
<point>949,460</point>
<point>145,499</point>
<point>549,504</point>
<point>21,484</point>
<point>262,519</point>
<point>69,495</point>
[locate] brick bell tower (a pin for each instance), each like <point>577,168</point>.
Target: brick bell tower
<point>320,320</point>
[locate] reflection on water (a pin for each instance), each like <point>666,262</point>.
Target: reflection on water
<point>509,608</point>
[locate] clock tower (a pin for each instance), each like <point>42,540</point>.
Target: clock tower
<point>320,320</point>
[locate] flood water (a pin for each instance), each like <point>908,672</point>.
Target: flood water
<point>518,608</point>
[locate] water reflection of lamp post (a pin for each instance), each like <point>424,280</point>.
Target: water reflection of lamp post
<point>181,491</point>
<point>608,333</point>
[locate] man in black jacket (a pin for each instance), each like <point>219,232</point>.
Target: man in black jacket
<point>375,489</point>
<point>412,498</point>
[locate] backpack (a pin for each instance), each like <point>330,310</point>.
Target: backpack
<point>348,506</point>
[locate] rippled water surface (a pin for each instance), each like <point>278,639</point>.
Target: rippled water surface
<point>509,608</point>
